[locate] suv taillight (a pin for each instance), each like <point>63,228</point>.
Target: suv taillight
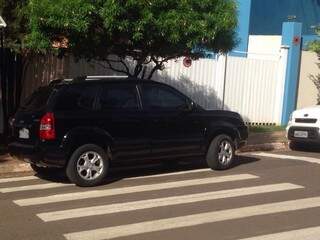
<point>47,130</point>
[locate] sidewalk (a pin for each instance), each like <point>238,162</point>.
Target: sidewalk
<point>9,165</point>
<point>267,141</point>
<point>256,142</point>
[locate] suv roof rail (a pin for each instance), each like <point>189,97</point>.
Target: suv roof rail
<point>105,77</point>
<point>88,78</point>
<point>82,79</point>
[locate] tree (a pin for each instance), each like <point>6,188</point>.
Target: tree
<point>148,32</point>
<point>315,46</point>
<point>14,13</point>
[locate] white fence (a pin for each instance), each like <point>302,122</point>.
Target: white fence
<point>198,81</point>
<point>252,87</point>
<point>255,88</point>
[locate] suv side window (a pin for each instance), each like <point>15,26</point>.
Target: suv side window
<point>118,97</point>
<point>161,97</point>
<point>37,100</point>
<point>77,97</point>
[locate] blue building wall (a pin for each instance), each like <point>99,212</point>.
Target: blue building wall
<point>267,16</point>
<point>244,10</point>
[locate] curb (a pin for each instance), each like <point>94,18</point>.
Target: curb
<point>15,168</point>
<point>264,147</point>
<point>10,165</point>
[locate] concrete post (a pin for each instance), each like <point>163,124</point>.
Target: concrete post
<point>291,37</point>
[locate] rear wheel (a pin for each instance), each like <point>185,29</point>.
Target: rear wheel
<point>88,166</point>
<point>221,152</point>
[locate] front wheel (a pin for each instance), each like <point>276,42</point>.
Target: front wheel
<point>221,153</point>
<point>88,166</point>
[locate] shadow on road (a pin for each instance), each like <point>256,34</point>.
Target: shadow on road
<point>241,160</point>
<point>144,170</point>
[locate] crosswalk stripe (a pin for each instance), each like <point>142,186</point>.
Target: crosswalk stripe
<point>17,179</point>
<point>161,202</point>
<point>281,156</point>
<point>193,220</point>
<point>300,234</point>
<point>169,174</point>
<point>131,189</point>
<point>34,187</point>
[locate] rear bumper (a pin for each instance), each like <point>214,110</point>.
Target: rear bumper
<point>41,155</point>
<point>313,134</point>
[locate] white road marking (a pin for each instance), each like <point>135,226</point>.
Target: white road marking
<point>280,156</point>
<point>17,179</point>
<point>34,187</point>
<point>301,234</point>
<point>170,174</point>
<point>161,202</point>
<point>131,189</point>
<point>193,220</point>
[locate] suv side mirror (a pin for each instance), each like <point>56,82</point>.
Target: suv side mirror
<point>190,106</point>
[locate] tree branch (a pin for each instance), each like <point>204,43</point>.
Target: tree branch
<point>155,68</point>
<point>137,69</point>
<point>144,72</point>
<point>109,63</point>
<point>159,65</point>
<point>125,65</point>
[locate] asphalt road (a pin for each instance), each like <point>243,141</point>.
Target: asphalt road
<point>263,196</point>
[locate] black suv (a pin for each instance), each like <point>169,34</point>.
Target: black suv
<point>85,124</point>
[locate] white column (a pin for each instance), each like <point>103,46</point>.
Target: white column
<point>282,69</point>
<point>220,77</point>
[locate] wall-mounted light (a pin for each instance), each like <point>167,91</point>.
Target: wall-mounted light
<point>2,23</point>
<point>291,17</point>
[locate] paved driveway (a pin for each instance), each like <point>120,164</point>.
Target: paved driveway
<point>262,197</point>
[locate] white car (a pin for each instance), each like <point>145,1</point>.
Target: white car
<point>304,126</point>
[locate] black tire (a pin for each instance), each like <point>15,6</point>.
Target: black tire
<point>78,157</point>
<point>212,158</point>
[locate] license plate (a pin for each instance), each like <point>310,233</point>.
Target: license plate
<point>27,160</point>
<point>24,133</point>
<point>301,134</point>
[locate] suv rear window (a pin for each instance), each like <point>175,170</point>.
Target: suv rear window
<point>38,100</point>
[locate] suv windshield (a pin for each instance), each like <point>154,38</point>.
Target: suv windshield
<point>37,100</point>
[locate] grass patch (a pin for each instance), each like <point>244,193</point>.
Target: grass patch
<point>264,129</point>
